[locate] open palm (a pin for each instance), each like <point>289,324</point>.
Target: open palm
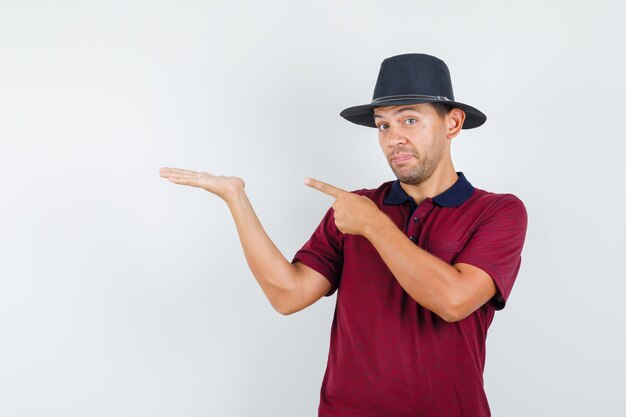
<point>219,185</point>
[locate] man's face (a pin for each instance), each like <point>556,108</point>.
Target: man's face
<point>413,139</point>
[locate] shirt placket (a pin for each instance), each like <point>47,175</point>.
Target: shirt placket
<point>413,227</point>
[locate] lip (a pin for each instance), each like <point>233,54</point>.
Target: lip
<point>402,157</point>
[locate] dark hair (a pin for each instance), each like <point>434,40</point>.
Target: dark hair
<point>440,108</point>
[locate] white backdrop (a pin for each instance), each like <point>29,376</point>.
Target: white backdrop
<point>124,295</point>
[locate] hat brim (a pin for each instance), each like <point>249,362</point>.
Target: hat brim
<point>364,115</point>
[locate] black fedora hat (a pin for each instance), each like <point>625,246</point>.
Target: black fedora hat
<point>412,79</point>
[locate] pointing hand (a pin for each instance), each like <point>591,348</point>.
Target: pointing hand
<point>354,214</point>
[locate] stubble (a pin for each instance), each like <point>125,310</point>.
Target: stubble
<point>425,166</point>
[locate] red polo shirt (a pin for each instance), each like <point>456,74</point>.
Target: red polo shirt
<point>388,355</point>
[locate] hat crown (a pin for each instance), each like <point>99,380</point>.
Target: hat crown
<point>418,74</point>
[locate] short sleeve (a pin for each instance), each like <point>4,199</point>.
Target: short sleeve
<point>324,251</point>
<point>496,245</point>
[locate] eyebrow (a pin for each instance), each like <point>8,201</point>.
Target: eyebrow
<point>399,111</point>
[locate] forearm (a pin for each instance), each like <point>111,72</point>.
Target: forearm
<point>274,273</point>
<point>431,282</point>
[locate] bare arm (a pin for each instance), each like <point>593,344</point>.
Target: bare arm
<point>288,287</point>
<point>451,291</point>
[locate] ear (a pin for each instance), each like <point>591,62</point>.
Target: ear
<point>454,122</point>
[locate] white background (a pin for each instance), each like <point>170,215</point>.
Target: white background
<point>122,294</point>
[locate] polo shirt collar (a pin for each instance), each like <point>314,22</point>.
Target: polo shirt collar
<point>454,196</point>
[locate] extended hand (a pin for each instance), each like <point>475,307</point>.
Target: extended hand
<point>224,187</point>
<point>354,213</point>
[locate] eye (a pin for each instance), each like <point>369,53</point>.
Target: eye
<point>410,121</point>
<point>383,126</point>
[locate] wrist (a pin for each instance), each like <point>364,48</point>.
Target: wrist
<point>376,225</point>
<point>234,192</point>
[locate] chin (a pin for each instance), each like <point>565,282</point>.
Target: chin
<point>412,177</point>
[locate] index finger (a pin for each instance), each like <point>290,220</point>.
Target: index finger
<point>331,190</point>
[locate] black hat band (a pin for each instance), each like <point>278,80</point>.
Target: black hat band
<point>407,97</point>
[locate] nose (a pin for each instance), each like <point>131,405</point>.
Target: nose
<point>394,135</point>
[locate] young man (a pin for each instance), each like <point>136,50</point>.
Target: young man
<point>421,264</point>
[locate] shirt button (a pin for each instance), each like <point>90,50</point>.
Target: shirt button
<point>415,219</point>
<point>412,238</point>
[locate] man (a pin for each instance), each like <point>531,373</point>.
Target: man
<point>421,264</point>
